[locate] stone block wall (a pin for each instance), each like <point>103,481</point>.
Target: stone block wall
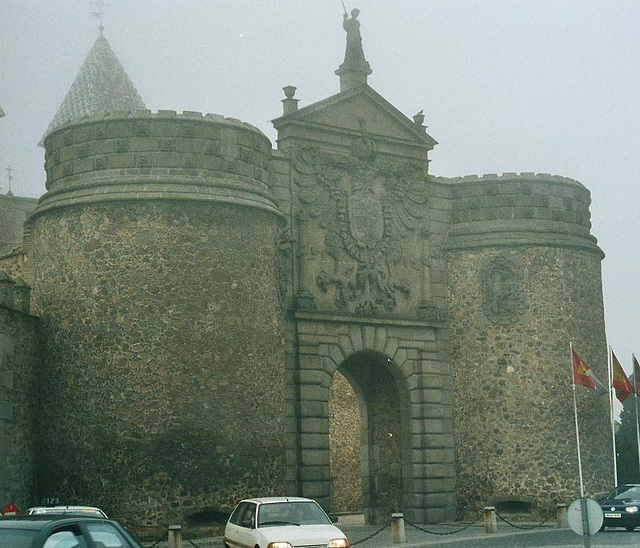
<point>19,405</point>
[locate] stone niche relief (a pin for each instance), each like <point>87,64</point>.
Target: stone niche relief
<point>284,245</point>
<point>502,291</point>
<point>359,232</point>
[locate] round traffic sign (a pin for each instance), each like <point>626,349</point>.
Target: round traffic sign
<point>594,516</point>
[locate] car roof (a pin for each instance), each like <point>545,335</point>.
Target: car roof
<point>270,500</point>
<point>40,521</point>
<point>76,510</point>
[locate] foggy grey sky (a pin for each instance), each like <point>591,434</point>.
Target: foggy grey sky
<point>548,86</point>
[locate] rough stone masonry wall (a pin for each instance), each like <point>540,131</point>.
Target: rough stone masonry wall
<point>19,363</point>
<point>514,308</point>
<point>345,443</point>
<point>166,366</point>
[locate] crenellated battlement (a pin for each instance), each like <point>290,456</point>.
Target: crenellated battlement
<point>163,155</point>
<point>523,176</point>
<point>146,113</point>
<point>518,209</point>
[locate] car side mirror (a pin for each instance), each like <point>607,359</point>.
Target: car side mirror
<point>334,519</point>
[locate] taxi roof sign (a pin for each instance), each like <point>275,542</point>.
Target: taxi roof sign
<point>9,510</point>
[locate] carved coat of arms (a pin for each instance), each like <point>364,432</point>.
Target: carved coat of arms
<point>371,207</point>
<point>502,292</point>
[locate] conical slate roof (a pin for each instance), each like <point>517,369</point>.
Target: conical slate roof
<point>101,87</point>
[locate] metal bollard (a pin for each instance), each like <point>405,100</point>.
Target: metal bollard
<point>561,516</point>
<point>397,529</point>
<point>490,525</point>
<point>175,536</point>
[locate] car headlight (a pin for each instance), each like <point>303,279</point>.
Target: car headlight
<point>339,543</point>
<point>631,509</point>
<point>279,544</point>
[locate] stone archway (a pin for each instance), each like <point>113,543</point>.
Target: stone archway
<point>400,374</point>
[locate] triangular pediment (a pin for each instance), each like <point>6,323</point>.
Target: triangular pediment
<point>359,111</point>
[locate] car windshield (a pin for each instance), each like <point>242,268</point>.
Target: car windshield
<point>625,492</point>
<point>291,513</point>
<point>17,538</point>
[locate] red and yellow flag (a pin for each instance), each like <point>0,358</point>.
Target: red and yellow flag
<point>619,380</point>
<point>636,375</point>
<point>581,370</point>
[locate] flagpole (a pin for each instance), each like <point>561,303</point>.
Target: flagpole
<point>575,414</point>
<point>637,430</point>
<point>613,430</point>
<point>635,384</point>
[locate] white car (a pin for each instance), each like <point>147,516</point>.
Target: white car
<point>72,510</point>
<point>281,522</point>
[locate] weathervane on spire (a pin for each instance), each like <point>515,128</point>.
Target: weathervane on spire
<point>9,171</point>
<point>98,12</point>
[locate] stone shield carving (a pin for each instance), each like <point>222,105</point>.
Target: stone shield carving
<point>502,292</point>
<point>366,219</point>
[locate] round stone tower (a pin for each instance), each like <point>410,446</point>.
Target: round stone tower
<point>524,282</point>
<point>154,269</point>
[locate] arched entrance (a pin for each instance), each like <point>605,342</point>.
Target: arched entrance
<point>366,449</point>
<point>401,381</point>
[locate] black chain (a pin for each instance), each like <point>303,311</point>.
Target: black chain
<point>185,537</point>
<point>372,535</point>
<point>442,533</point>
<point>158,541</point>
<point>525,527</point>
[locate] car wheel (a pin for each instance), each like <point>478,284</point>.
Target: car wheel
<point>630,527</point>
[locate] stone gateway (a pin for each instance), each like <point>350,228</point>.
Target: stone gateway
<point>213,319</point>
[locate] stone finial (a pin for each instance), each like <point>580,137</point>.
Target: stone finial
<point>289,104</point>
<point>354,69</point>
<point>418,120</point>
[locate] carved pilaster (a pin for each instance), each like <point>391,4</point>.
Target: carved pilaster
<point>305,257</point>
<point>425,272</point>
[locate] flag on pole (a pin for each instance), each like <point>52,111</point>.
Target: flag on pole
<point>619,381</point>
<point>581,371</point>
<point>636,375</point>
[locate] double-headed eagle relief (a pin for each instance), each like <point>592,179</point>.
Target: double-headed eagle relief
<point>355,218</point>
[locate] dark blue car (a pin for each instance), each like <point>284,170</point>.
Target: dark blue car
<point>621,507</point>
<point>64,532</point>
